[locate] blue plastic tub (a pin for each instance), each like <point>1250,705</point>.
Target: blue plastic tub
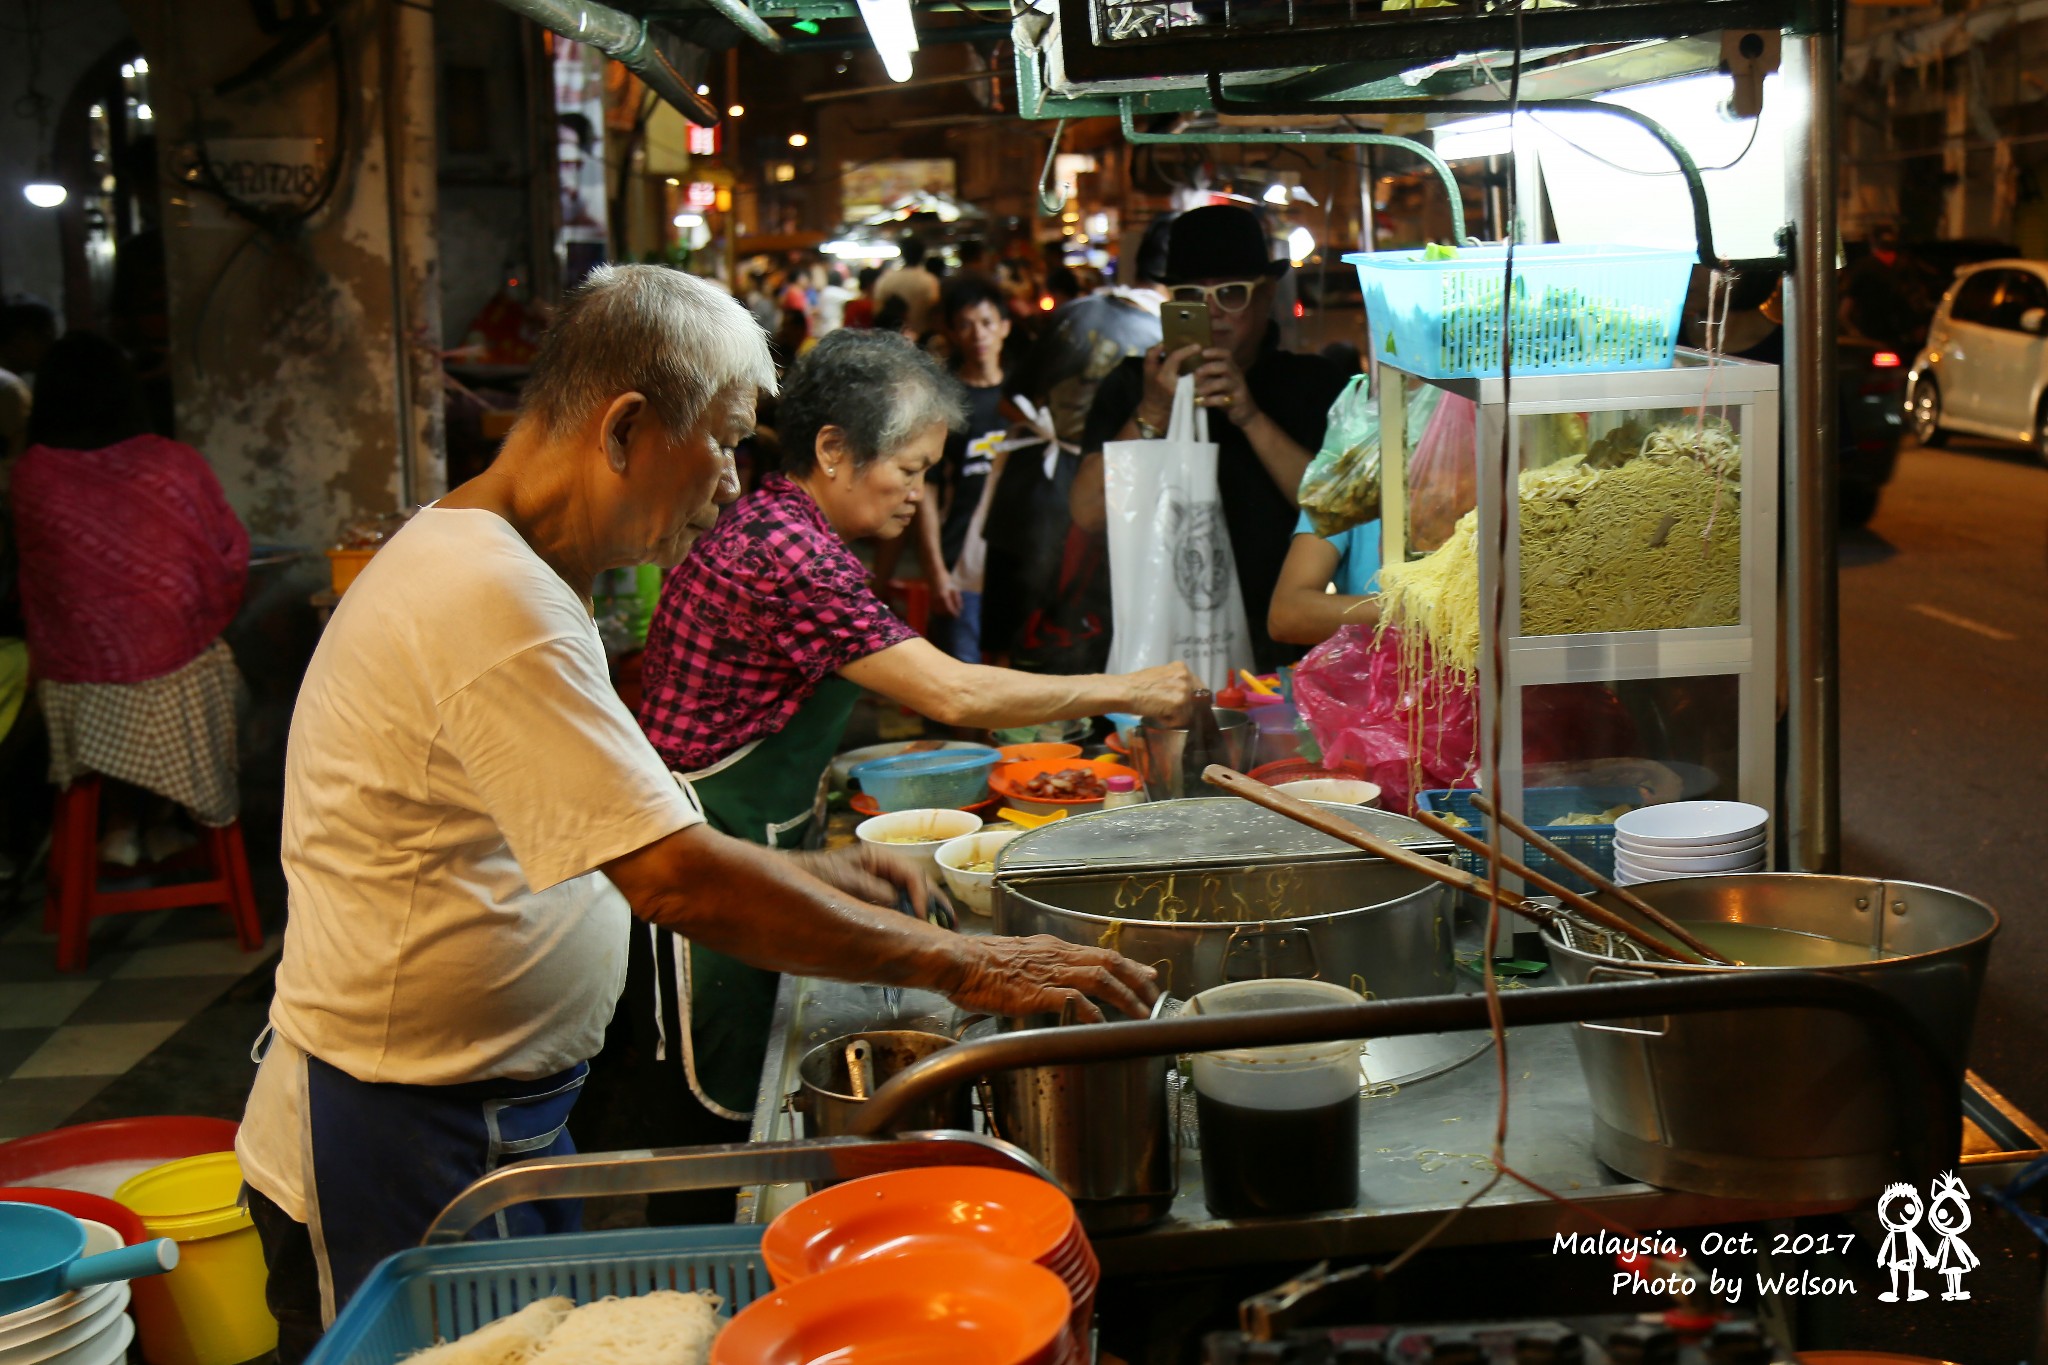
<point>439,1293</point>
<point>945,780</point>
<point>1577,309</point>
<point>1592,845</point>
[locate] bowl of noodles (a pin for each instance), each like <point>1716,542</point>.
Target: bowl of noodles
<point>968,865</point>
<point>917,834</point>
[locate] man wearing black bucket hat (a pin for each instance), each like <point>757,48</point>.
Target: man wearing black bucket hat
<point>1274,403</point>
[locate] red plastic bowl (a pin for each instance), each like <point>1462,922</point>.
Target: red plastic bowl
<point>159,1138</point>
<point>1005,1211</point>
<point>78,1204</point>
<point>923,1308</point>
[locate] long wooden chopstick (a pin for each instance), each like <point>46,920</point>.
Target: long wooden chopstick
<point>1599,883</point>
<point>1479,848</point>
<point>1258,793</point>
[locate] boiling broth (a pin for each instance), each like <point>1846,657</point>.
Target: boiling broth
<point>1763,945</point>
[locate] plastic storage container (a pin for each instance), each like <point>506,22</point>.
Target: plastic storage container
<point>440,1293</point>
<point>1592,845</point>
<point>1279,1125</point>
<point>210,1310</point>
<point>927,781</point>
<point>1576,309</point>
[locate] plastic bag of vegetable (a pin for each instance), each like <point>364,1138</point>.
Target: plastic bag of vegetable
<point>1342,486</point>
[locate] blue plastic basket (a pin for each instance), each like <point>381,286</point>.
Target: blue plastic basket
<point>439,1293</point>
<point>1577,309</point>
<point>946,780</point>
<point>1592,845</point>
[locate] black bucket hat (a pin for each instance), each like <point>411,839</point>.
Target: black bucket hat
<point>1218,242</point>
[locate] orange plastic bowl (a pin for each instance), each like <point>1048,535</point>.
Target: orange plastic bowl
<point>925,1308</point>
<point>1031,753</point>
<point>887,1215</point>
<point>1008,780</point>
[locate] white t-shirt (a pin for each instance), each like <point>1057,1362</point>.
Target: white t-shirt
<point>459,767</point>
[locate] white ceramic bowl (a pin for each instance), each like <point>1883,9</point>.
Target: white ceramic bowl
<point>917,834</point>
<point>975,890</point>
<point>107,1347</point>
<point>1749,845</point>
<point>40,1320</point>
<point>1687,824</point>
<point>1341,791</point>
<point>1673,867</point>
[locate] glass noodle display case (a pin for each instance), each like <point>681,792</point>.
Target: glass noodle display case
<point>1639,626</point>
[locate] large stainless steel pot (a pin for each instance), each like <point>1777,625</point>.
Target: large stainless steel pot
<point>1778,1103</point>
<point>1103,1129</point>
<point>1362,923</point>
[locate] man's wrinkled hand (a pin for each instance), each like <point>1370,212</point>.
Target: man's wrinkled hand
<point>1043,975</point>
<point>871,874</point>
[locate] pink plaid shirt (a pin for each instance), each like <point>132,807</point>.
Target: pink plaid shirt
<point>769,604</point>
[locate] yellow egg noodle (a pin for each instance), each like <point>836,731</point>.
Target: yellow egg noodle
<point>1652,544</point>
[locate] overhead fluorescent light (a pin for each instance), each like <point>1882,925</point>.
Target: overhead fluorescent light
<point>1474,139</point>
<point>850,250</point>
<point>894,33</point>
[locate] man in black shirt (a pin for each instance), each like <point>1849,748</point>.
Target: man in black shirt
<point>1267,406</point>
<point>950,530</point>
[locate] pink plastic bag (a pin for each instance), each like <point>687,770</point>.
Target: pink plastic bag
<point>1349,691</point>
<point>1443,474</point>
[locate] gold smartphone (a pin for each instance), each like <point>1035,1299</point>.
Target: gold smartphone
<point>1184,324</point>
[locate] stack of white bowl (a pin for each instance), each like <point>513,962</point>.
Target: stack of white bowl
<point>87,1326</point>
<point>1689,839</point>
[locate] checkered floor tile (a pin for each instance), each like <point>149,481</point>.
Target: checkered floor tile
<point>64,1036</point>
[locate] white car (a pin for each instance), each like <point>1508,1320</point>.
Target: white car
<point>1985,368</point>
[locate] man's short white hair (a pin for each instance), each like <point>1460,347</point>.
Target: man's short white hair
<point>646,329</point>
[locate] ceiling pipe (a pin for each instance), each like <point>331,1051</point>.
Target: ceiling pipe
<point>629,41</point>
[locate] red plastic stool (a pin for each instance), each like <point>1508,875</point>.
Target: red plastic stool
<point>75,898</point>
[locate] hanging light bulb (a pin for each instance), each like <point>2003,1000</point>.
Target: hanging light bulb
<point>894,33</point>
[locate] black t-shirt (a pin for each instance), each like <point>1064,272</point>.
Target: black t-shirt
<point>966,464</point>
<point>1294,390</point>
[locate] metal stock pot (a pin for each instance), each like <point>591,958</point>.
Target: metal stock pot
<point>1215,889</point>
<point>1778,1103</point>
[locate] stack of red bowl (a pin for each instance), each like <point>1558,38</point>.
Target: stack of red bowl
<point>940,1210</point>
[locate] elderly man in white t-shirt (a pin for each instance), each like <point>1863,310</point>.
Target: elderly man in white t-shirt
<point>471,816</point>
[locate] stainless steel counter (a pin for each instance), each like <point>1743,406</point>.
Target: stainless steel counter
<point>1422,1152</point>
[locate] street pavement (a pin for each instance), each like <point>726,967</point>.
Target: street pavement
<point>1944,653</point>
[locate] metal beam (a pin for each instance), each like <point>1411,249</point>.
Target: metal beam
<point>746,21</point>
<point>1289,138</point>
<point>915,83</point>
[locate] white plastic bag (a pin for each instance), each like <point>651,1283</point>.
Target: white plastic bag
<point>1173,581</point>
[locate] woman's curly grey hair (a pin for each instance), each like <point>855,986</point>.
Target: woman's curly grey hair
<point>646,329</point>
<point>876,387</point>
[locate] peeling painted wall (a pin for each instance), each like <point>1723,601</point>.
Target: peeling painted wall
<point>286,350</point>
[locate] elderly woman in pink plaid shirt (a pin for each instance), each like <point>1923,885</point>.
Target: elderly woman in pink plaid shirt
<point>765,636</point>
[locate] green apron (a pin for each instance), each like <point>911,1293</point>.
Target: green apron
<point>765,795</point>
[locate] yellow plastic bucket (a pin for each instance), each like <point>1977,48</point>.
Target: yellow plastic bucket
<point>210,1310</point>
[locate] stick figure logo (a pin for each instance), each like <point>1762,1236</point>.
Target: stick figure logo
<point>1201,555</point>
<point>1898,1208</point>
<point>1948,1213</point>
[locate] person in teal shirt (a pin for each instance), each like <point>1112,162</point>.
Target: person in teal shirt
<point>1326,582</point>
